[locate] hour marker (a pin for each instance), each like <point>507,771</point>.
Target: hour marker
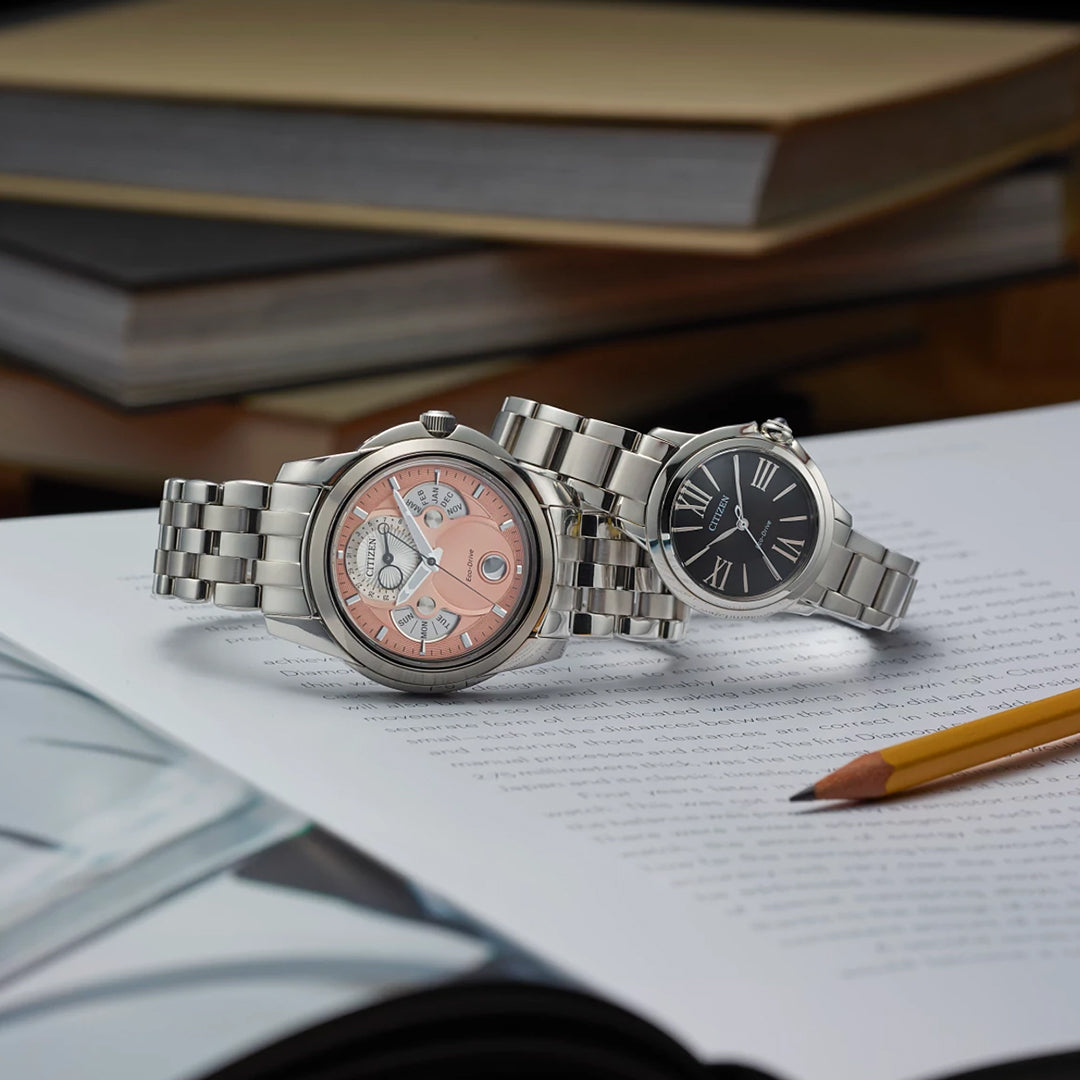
<point>500,611</point>
<point>506,524</point>
<point>519,569</point>
<point>354,600</point>
<point>341,553</point>
<point>381,633</point>
<point>686,528</point>
<point>764,473</point>
<point>691,497</point>
<point>423,646</point>
<point>478,492</point>
<point>791,549</point>
<point>718,578</point>
<point>466,641</point>
<point>797,517</point>
<point>394,483</point>
<point>712,479</point>
<point>790,487</point>
<point>361,514</point>
<point>438,476</point>
<point>745,581</point>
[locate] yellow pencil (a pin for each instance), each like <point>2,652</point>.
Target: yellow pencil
<point>943,753</point>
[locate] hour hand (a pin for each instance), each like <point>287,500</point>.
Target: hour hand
<point>428,565</point>
<point>418,537</point>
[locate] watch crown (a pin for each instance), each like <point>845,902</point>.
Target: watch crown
<point>438,422</point>
<point>779,430</point>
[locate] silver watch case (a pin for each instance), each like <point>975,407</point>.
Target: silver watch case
<point>521,648</point>
<point>698,448</point>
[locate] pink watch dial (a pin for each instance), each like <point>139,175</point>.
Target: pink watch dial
<point>431,561</point>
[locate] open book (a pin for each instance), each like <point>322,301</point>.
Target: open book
<point>621,815</point>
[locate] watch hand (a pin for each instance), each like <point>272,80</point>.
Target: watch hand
<point>716,540</point>
<point>443,570</point>
<point>768,561</point>
<point>419,539</point>
<point>428,565</point>
<point>738,487</point>
<point>722,536</point>
<point>384,532</point>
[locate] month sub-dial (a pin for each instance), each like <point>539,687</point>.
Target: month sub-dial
<point>379,558</point>
<point>434,502</point>
<point>424,621</point>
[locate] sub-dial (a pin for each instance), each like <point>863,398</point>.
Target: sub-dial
<point>434,502</point>
<point>379,558</point>
<point>422,622</point>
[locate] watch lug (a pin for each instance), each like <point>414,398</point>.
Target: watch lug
<point>676,438</point>
<point>535,650</point>
<point>308,631</point>
<point>553,494</point>
<point>681,438</point>
<point>319,471</point>
<point>634,531</point>
<point>841,514</point>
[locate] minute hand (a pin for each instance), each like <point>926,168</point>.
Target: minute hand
<point>768,562</point>
<point>419,539</point>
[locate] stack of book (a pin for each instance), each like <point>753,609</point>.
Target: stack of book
<point>445,200</point>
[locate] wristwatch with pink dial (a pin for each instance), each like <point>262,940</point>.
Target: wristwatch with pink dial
<point>429,559</point>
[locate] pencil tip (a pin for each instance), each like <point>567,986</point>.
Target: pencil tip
<point>805,795</point>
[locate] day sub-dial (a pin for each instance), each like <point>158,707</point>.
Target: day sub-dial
<point>379,558</point>
<point>435,502</point>
<point>423,622</point>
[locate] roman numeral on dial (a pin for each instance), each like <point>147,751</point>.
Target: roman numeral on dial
<point>764,473</point>
<point>718,578</point>
<point>790,549</point>
<point>691,497</point>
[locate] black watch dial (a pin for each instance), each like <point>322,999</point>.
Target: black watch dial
<point>742,524</point>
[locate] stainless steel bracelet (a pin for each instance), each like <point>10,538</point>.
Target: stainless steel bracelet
<point>235,544</point>
<point>863,582</point>
<point>605,585</point>
<point>613,469</point>
<point>238,545</point>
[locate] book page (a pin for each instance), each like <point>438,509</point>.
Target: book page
<point>624,811</point>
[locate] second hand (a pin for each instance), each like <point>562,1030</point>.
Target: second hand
<point>442,569</point>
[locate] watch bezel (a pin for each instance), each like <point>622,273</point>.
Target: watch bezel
<point>474,450</point>
<point>658,522</point>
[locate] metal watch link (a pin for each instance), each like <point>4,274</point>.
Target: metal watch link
<point>429,559</point>
<point>737,521</point>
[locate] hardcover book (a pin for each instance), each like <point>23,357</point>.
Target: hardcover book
<point>150,309</point>
<point>652,125</point>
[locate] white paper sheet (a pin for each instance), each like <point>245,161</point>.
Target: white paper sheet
<point>624,811</point>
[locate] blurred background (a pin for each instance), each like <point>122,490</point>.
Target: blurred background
<point>234,233</point>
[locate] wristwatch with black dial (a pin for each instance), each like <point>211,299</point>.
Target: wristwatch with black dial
<point>736,521</point>
<point>429,558</point>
